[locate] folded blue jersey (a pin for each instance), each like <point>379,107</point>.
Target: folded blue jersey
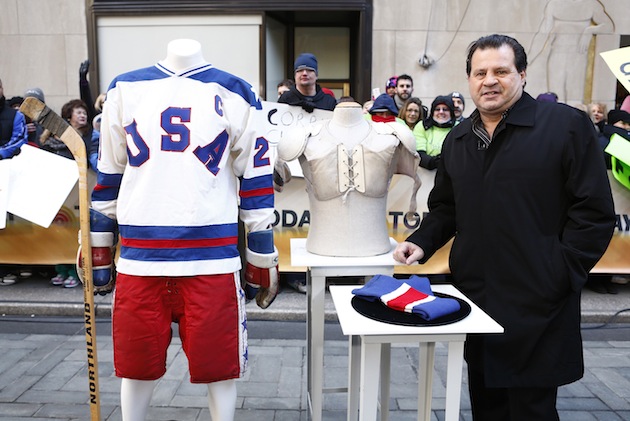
<point>413,295</point>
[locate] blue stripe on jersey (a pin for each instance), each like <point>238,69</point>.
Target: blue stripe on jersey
<point>257,202</point>
<point>263,184</point>
<point>148,73</point>
<point>225,247</point>
<point>230,82</point>
<point>212,74</point>
<point>256,183</point>
<point>174,232</point>
<point>178,255</point>
<point>107,187</point>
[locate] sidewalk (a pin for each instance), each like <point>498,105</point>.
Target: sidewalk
<point>44,377</point>
<point>35,296</point>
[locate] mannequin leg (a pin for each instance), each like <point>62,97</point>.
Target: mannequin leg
<point>222,400</point>
<point>135,396</point>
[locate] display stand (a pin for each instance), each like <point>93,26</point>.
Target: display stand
<point>318,269</point>
<point>369,348</point>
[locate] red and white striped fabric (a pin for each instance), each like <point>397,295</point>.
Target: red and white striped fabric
<point>405,298</point>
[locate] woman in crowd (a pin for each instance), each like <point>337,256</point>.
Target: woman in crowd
<point>412,112</point>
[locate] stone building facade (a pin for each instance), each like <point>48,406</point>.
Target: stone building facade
<point>360,43</point>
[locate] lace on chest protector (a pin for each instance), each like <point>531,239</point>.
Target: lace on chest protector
<point>334,169</point>
<point>351,170</point>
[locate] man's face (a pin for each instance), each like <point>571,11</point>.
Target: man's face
<point>459,106</point>
<point>404,89</point>
<point>305,78</point>
<point>494,83</point>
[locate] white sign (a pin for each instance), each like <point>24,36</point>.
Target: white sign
<point>282,118</point>
<point>38,184</point>
<point>619,63</point>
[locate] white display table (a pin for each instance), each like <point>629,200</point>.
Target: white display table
<point>318,269</point>
<point>370,342</point>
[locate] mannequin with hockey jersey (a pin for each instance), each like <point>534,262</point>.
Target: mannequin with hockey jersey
<point>348,163</point>
<point>174,236</point>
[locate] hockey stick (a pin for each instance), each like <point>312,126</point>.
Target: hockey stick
<point>40,113</point>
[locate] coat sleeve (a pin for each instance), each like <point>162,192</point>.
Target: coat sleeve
<point>438,226</point>
<point>590,215</point>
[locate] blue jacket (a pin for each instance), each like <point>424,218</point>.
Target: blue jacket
<point>13,132</point>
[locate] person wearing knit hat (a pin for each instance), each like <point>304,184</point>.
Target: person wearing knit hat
<point>306,92</point>
<point>547,97</point>
<point>431,133</point>
<point>15,102</point>
<point>390,86</point>
<point>309,95</point>
<point>35,130</point>
<point>460,105</point>
<point>619,118</point>
<point>35,93</point>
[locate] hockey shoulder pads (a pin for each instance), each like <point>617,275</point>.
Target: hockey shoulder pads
<point>293,143</point>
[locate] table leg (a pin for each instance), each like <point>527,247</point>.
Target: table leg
<point>315,338</point>
<point>370,370</point>
<point>386,358</point>
<point>426,357</point>
<point>454,379</point>
<point>354,376</point>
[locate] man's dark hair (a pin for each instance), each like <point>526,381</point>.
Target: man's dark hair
<point>286,82</point>
<point>404,77</point>
<point>495,41</point>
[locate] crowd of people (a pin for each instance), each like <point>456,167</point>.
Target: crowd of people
<point>430,126</point>
<point>81,114</point>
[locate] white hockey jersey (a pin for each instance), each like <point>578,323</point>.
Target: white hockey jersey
<point>179,153</point>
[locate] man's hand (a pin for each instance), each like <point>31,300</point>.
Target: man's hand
<point>103,238</point>
<point>261,272</point>
<point>408,253</point>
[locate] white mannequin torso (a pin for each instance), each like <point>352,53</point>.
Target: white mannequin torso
<point>182,55</point>
<point>352,224</point>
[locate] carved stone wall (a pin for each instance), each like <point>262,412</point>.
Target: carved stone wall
<point>563,39</point>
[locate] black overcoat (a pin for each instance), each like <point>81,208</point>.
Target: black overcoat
<point>531,215</point>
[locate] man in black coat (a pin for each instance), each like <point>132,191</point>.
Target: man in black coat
<point>523,188</point>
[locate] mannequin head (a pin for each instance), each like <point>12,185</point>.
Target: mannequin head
<point>183,54</point>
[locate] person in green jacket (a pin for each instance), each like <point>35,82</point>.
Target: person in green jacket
<point>431,133</point>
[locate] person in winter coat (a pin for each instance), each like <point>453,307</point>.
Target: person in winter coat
<point>523,188</point>
<point>431,133</point>
<point>384,110</point>
<point>12,129</point>
<point>306,92</point>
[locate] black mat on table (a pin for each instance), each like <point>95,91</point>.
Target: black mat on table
<point>378,311</point>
